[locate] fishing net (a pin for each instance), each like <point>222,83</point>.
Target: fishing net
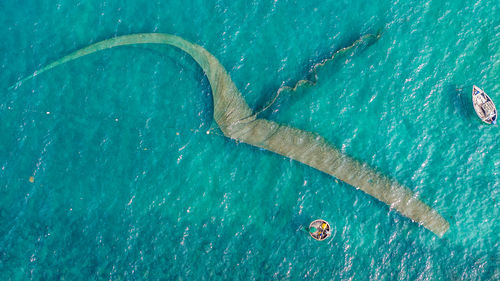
<point>237,121</point>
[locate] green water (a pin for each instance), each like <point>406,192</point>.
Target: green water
<point>128,185</point>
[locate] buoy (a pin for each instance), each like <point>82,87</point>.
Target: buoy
<point>319,229</point>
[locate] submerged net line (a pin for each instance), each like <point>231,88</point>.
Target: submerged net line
<point>231,113</point>
<point>313,72</point>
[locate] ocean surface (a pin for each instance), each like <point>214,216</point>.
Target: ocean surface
<point>112,168</point>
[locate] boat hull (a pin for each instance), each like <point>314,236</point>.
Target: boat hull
<point>484,106</point>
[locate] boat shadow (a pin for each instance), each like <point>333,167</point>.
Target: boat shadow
<point>461,100</point>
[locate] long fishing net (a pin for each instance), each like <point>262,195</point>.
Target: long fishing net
<point>312,77</point>
<point>237,121</point>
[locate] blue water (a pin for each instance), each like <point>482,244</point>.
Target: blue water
<point>128,185</point>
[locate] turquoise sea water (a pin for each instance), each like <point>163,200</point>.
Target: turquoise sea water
<point>128,185</point>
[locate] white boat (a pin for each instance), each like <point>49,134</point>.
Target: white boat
<point>484,106</point>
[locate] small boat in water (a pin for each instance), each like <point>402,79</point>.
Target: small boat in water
<point>319,229</point>
<point>484,106</point>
